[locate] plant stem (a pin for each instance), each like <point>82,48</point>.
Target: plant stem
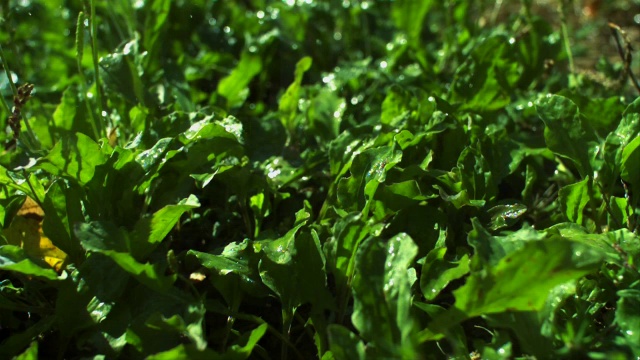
<point>565,35</point>
<point>83,79</point>
<point>96,65</point>
<point>6,70</point>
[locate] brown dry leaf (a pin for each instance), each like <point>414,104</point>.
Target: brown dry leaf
<point>26,231</point>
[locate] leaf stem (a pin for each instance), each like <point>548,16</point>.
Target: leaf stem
<point>83,79</point>
<point>96,64</point>
<point>565,36</point>
<point>14,89</point>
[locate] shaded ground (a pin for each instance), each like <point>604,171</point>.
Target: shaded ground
<point>587,20</point>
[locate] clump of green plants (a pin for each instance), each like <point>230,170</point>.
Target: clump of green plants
<point>342,179</point>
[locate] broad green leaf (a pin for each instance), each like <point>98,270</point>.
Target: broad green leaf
<point>154,156</point>
<point>293,268</point>
<point>629,169</point>
<point>565,132</point>
<point>382,295</point>
<point>609,244</point>
<point>408,15</point>
<point>341,152</point>
<point>240,351</point>
<point>243,347</point>
<point>72,306</point>
<point>620,211</point>
<point>120,74</point>
<point>30,185</point>
<point>521,280</point>
<point>438,272</point>
<point>627,317</point>
<point>506,215</point>
<point>13,258</point>
<point>190,325</point>
<point>394,107</point>
<point>156,17</point>
<point>149,231</point>
<point>74,156</point>
<point>104,238</point>
<point>485,80</point>
<point>475,176</point>
<point>234,87</point>
<point>344,344</point>
<point>208,128</point>
<point>616,142</point>
<point>89,296</point>
<point>601,113</point>
<point>400,195</point>
<point>63,208</point>
<point>9,207</point>
<point>368,170</point>
<point>30,354</point>
<point>299,279</point>
<point>573,198</point>
<point>236,266</point>
<point>288,104</point>
<point>325,115</point>
<point>63,116</point>
<point>340,251</point>
<point>527,325</point>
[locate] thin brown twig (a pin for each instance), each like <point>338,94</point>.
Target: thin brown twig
<point>625,54</point>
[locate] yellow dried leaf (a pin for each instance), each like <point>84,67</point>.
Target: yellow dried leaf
<point>26,231</point>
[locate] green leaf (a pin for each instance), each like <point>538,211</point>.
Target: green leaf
<point>620,210</point>
<point>340,251</point>
<point>13,258</point>
<point>234,87</point>
<point>288,104</point>
<point>156,17</point>
<point>627,317</point>
<point>484,82</point>
<point>30,354</point>
<point>150,231</point>
<point>63,208</point>
<point>63,116</point>
<point>438,272</point>
<point>408,15</point>
<point>190,325</point>
<point>104,238</point>
<point>74,156</point>
<point>293,268</point>
<point>394,107</point>
<point>521,280</point>
<point>629,161</point>
<point>617,141</point>
<point>506,215</point>
<point>240,351</point>
<point>236,266</point>
<point>565,133</point>
<point>345,344</point>
<point>368,170</point>
<point>382,295</point>
<point>325,115</point>
<point>573,199</point>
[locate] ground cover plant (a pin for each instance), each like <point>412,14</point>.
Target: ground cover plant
<point>341,179</point>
